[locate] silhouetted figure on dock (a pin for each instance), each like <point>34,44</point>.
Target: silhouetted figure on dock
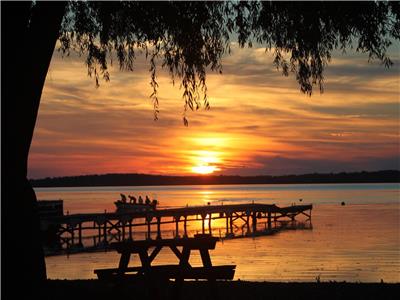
<point>140,200</point>
<point>147,200</point>
<point>123,198</point>
<point>154,203</point>
<point>132,199</point>
<point>343,204</point>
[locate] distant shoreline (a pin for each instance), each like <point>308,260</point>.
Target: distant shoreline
<point>386,176</point>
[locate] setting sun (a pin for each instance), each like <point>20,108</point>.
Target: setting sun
<point>205,162</point>
<point>204,169</point>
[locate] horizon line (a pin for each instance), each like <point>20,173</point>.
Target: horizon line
<point>216,175</point>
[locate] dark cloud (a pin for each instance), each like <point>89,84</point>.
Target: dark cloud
<point>362,70</point>
<point>378,109</point>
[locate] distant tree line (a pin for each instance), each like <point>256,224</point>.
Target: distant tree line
<point>144,179</point>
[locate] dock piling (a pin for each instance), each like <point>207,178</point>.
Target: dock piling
<point>158,228</point>
<point>269,220</point>
<point>254,222</point>
<point>185,226</point>
<point>177,218</point>
<point>209,223</point>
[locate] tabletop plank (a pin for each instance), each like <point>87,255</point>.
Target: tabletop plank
<point>196,243</point>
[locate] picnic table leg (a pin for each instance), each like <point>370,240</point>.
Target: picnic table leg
<point>183,262</point>
<point>123,262</point>
<point>205,258</point>
<point>144,259</point>
<point>152,283</point>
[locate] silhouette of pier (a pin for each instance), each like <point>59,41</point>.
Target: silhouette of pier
<point>93,231</point>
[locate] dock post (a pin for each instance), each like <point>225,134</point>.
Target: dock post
<point>209,223</point>
<point>80,234</point>
<point>148,230</point>
<point>177,218</point>
<point>269,220</point>
<point>130,229</point>
<point>72,234</point>
<point>202,223</point>
<point>105,232</point>
<point>99,229</point>
<point>158,228</point>
<point>231,223</point>
<point>292,218</point>
<point>254,222</point>
<point>123,230</point>
<point>148,221</point>
<point>248,222</point>
<point>185,227</point>
<point>227,224</point>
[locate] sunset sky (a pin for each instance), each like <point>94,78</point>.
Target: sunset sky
<point>259,121</point>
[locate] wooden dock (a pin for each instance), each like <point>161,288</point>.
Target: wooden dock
<point>83,232</point>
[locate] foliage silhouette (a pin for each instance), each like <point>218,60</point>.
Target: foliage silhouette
<point>187,38</point>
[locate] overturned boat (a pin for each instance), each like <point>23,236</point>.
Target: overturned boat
<point>133,207</point>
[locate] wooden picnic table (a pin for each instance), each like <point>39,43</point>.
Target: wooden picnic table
<point>202,242</point>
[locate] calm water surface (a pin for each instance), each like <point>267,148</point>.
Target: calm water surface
<point>356,242</point>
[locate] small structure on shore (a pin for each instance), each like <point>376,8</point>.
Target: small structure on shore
<point>51,208</point>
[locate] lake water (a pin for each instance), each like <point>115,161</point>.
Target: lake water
<point>359,241</point>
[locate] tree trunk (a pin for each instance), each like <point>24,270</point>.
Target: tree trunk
<point>29,34</point>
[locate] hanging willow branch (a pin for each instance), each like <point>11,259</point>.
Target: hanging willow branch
<point>190,38</point>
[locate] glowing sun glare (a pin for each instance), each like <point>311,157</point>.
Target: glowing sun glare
<point>204,162</point>
<point>204,169</point>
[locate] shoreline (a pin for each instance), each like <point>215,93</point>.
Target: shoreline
<point>213,184</point>
<point>103,180</point>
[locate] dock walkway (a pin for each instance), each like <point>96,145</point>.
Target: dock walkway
<point>96,230</point>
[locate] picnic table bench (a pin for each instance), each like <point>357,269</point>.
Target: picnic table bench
<point>202,242</point>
